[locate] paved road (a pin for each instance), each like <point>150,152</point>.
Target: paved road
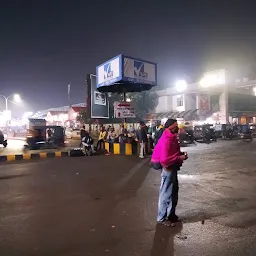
<point>93,206</point>
<point>15,146</point>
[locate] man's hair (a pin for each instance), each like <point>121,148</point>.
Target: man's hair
<point>83,126</point>
<point>169,122</point>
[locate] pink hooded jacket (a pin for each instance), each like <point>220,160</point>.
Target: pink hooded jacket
<point>167,150</point>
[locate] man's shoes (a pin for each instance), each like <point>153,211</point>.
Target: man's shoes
<point>174,218</point>
<point>141,157</point>
<point>167,223</point>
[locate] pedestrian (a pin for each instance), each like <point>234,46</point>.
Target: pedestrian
<point>131,129</point>
<point>102,138</point>
<point>111,137</point>
<point>49,134</point>
<point>168,158</point>
<point>159,129</point>
<point>143,138</point>
<point>87,142</point>
<point>82,134</point>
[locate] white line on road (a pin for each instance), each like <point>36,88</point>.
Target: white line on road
<point>131,172</point>
<point>206,189</point>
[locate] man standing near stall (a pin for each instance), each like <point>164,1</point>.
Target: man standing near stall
<point>159,129</point>
<point>143,138</point>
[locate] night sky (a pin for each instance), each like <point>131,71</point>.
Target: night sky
<point>44,44</point>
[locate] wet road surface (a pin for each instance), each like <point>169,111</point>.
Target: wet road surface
<point>102,205</point>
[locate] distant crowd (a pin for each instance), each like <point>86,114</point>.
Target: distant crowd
<point>142,134</point>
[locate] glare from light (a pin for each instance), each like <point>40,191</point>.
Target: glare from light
<point>209,121</point>
<point>200,122</point>
<point>128,100</point>
<point>163,121</point>
<point>17,98</point>
<point>254,89</point>
<point>26,115</point>
<point>181,85</point>
<point>213,78</point>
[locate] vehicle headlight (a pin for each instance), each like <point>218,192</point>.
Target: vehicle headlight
<point>5,136</point>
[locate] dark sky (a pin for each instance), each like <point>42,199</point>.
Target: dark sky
<point>44,44</point>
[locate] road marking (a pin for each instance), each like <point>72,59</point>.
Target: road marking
<point>131,172</point>
<point>206,189</point>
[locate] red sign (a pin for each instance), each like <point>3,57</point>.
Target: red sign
<point>204,102</point>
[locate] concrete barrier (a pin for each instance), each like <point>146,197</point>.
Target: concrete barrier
<point>32,156</point>
<point>127,149</point>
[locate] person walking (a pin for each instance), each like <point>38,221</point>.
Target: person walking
<point>159,129</point>
<point>143,138</point>
<point>168,157</point>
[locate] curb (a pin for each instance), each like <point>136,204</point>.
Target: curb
<point>32,156</point>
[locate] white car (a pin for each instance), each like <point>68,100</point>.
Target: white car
<point>72,134</point>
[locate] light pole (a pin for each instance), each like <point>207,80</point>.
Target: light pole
<point>15,96</point>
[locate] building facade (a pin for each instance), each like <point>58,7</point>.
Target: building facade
<point>222,103</point>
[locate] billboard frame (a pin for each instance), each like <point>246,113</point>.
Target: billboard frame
<point>141,81</point>
<point>91,99</point>
<point>114,80</point>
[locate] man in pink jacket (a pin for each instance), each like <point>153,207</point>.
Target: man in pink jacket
<point>167,154</point>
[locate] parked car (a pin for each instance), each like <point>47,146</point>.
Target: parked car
<point>72,133</point>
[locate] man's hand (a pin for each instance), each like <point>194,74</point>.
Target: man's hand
<point>183,157</point>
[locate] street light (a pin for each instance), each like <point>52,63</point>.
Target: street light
<point>16,98</point>
<point>181,85</point>
<point>254,89</point>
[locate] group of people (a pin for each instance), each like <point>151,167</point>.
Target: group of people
<point>124,135</point>
<point>109,135</point>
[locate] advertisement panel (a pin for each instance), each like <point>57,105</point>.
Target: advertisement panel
<point>109,72</point>
<point>124,110</point>
<point>139,71</point>
<point>99,101</point>
<point>203,102</point>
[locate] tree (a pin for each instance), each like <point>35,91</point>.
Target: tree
<point>83,118</point>
<point>143,102</point>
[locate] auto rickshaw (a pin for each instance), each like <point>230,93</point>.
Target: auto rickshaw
<point>45,137</point>
<point>186,135</point>
<point>253,129</point>
<point>204,133</point>
<point>246,133</point>
<point>3,139</point>
<point>227,131</point>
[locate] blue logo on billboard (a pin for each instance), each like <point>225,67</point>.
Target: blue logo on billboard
<point>139,70</point>
<point>108,73</point>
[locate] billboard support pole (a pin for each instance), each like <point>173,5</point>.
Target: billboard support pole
<point>89,102</point>
<point>124,118</point>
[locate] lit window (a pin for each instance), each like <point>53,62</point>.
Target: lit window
<point>180,101</point>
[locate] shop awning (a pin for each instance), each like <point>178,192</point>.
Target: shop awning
<point>159,116</point>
